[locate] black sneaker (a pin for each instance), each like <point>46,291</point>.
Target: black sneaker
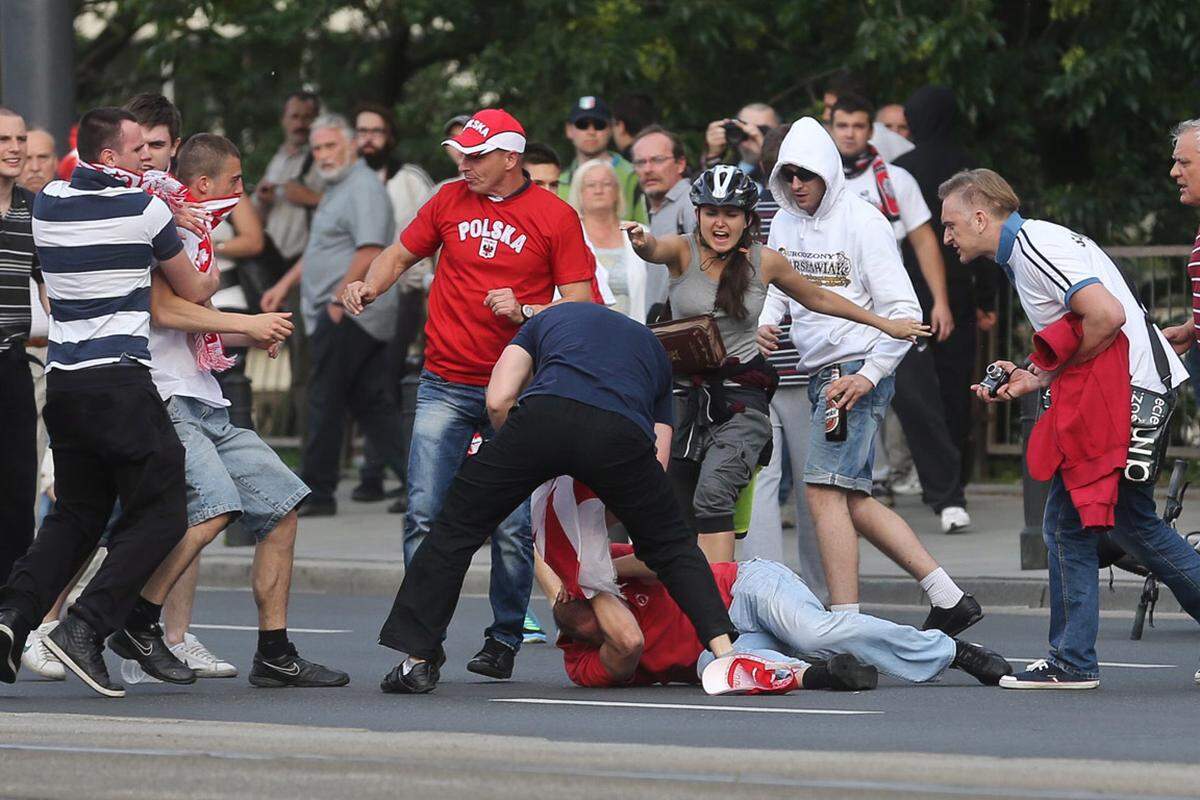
<point>318,508</point>
<point>292,670</point>
<point>399,505</point>
<point>81,650</point>
<point>399,491</point>
<point>421,679</point>
<point>368,492</point>
<point>982,664</point>
<point>147,648</point>
<point>13,633</point>
<point>1044,675</point>
<point>495,660</point>
<point>847,674</point>
<point>953,621</point>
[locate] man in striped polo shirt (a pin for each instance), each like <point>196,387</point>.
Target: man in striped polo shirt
<point>1185,169</point>
<point>18,413</point>
<point>97,238</point>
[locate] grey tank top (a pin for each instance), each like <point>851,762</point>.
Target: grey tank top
<point>694,293</point>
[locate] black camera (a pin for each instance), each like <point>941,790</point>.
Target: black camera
<point>734,135</point>
<point>994,378</point>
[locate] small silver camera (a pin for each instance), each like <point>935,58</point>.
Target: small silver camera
<point>994,378</point>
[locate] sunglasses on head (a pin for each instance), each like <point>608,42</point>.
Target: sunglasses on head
<point>590,122</point>
<point>790,173</point>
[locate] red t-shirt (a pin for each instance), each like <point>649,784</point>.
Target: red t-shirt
<point>671,643</point>
<point>530,242</point>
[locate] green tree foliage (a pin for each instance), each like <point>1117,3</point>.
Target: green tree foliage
<point>1071,99</point>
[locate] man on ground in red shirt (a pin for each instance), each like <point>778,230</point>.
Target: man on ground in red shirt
<point>647,639</point>
<point>506,245</point>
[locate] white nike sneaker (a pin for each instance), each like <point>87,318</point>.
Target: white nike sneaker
<point>955,519</point>
<point>192,652</point>
<point>36,657</point>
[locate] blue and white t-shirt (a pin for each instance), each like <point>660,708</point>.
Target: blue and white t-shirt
<point>1048,264</point>
<point>97,241</point>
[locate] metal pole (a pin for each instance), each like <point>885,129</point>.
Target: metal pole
<point>37,64</point>
<point>1033,546</point>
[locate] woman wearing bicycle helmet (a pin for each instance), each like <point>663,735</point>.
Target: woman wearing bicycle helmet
<point>722,427</point>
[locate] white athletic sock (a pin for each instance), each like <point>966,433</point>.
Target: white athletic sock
<point>942,590</point>
<point>851,608</point>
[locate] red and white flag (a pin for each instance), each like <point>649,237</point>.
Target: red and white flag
<point>571,535</point>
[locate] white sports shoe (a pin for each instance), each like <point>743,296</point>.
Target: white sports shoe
<point>192,652</point>
<point>908,484</point>
<point>36,657</point>
<point>955,519</point>
<point>747,673</point>
<point>1196,677</point>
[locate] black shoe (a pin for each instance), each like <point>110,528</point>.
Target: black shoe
<point>368,492</point>
<point>399,505</point>
<point>292,670</point>
<point>13,633</point>
<point>318,508</point>
<point>847,674</point>
<point>421,679</point>
<point>81,650</point>
<point>399,491</point>
<point>495,660</point>
<point>147,648</point>
<point>980,663</point>
<point>953,621</point>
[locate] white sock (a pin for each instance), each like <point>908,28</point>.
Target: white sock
<point>942,590</point>
<point>850,608</point>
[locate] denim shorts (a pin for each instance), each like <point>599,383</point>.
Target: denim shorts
<point>230,470</point>
<point>847,464</point>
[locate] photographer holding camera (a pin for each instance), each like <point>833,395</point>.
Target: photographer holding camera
<point>1102,357</point>
<point>739,140</point>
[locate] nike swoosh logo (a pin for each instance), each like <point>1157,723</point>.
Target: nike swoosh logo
<point>147,650</point>
<point>294,669</point>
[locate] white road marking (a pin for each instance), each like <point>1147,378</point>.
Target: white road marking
<point>545,701</point>
<point>255,628</point>
<point>1122,664</point>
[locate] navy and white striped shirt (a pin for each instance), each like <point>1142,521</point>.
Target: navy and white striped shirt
<point>97,241</point>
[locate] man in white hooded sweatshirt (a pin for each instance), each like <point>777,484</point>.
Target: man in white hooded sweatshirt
<point>843,243</point>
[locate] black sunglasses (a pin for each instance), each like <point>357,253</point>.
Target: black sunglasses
<point>590,122</point>
<point>790,173</point>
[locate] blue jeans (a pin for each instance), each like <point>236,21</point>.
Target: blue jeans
<point>447,416</point>
<point>778,617</point>
<point>1075,565</point>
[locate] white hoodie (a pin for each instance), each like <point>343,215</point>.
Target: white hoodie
<point>847,247</point>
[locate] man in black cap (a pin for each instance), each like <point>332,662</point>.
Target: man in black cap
<point>589,127</point>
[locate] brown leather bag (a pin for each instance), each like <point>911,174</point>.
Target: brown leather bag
<point>693,344</point>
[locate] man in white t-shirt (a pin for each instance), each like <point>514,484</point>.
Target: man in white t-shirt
<point>1055,271</point>
<point>231,473</point>
<point>917,403</point>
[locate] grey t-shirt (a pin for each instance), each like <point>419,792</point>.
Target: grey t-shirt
<point>354,212</point>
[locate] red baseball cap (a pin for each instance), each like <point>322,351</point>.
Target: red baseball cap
<point>488,130</point>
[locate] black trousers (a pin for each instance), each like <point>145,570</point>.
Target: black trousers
<point>349,372</point>
<point>954,360</point>
<point>918,405</point>
<point>111,439</point>
<point>543,438</point>
<point>18,465</point>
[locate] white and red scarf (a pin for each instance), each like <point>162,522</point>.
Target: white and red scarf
<point>207,347</point>
<point>571,534</point>
<point>853,167</point>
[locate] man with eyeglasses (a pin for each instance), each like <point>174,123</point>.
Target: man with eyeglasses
<point>589,128</point>
<point>661,165</point>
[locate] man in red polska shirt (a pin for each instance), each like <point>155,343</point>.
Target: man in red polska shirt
<point>506,245</point>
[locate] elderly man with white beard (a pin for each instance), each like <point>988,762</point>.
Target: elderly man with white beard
<point>351,226</point>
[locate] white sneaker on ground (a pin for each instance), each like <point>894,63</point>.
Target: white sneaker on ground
<point>192,652</point>
<point>36,657</point>
<point>1196,677</point>
<point>955,519</point>
<point>908,484</point>
<point>746,673</point>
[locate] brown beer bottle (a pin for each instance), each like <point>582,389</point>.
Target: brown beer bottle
<point>835,418</point>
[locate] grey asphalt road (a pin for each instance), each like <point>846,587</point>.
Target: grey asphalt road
<point>1133,737</point>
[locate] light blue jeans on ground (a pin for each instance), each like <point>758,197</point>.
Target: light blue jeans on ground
<point>447,416</point>
<point>1075,564</point>
<point>776,615</point>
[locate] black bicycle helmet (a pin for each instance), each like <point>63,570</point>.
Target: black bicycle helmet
<point>724,185</point>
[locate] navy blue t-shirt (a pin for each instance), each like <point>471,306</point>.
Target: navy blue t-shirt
<point>587,353</point>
